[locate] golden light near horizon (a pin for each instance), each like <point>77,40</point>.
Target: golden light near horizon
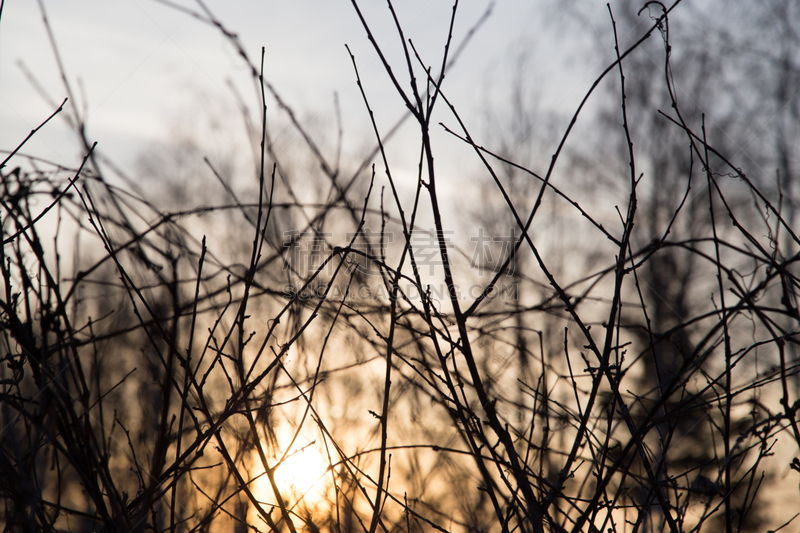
<point>303,471</point>
<point>302,478</point>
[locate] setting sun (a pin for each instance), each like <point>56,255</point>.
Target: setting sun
<point>300,478</point>
<point>302,471</point>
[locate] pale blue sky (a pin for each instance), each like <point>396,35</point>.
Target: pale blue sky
<point>143,66</point>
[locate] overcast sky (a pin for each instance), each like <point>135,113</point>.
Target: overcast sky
<point>138,67</point>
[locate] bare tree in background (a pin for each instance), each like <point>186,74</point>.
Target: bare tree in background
<point>166,382</point>
<point>725,80</point>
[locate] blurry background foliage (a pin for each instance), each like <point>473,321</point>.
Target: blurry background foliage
<point>485,301</point>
